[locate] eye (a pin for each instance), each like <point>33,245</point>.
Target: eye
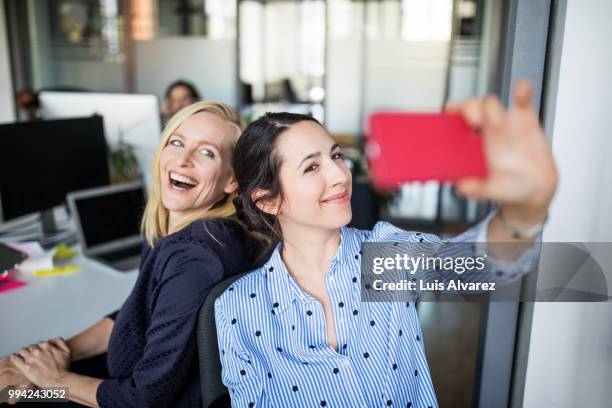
<point>337,156</point>
<point>310,168</point>
<point>175,142</point>
<point>207,152</point>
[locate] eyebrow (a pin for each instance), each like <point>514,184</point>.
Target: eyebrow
<point>317,154</point>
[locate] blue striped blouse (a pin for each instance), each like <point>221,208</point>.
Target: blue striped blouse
<point>273,338</point>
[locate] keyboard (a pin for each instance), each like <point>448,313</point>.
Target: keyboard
<point>125,259</point>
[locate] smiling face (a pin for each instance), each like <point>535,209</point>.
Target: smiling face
<point>315,181</point>
<point>195,164</point>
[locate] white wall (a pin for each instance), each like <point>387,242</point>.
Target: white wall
<point>98,76</point>
<point>403,74</point>
<point>7,111</point>
<point>570,351</point>
<point>209,64</point>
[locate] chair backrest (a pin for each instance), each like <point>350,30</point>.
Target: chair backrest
<point>208,346</point>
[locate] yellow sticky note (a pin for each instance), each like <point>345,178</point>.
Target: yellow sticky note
<point>63,252</point>
<point>60,270</point>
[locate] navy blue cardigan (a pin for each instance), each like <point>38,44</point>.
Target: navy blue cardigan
<point>152,355</point>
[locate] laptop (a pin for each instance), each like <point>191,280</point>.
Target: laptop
<point>107,221</point>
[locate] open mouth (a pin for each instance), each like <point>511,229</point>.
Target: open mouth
<point>180,182</point>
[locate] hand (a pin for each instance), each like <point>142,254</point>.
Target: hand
<point>43,363</point>
<point>521,171</point>
<point>11,376</point>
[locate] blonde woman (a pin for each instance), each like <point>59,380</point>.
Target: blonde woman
<point>151,342</point>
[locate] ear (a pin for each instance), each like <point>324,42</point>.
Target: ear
<point>231,185</point>
<point>271,206</point>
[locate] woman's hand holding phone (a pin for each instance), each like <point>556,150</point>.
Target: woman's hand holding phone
<point>521,172</point>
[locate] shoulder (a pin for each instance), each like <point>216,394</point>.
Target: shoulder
<point>235,299</point>
<point>384,231</point>
<point>180,243</point>
<point>209,233</point>
<point>201,236</point>
<point>188,252</point>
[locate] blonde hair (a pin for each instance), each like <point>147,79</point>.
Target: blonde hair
<point>155,218</point>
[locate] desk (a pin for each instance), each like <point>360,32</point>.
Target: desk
<point>61,305</point>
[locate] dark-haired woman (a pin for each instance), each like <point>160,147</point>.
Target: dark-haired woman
<point>295,331</point>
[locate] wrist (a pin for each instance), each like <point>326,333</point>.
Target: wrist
<point>74,350</point>
<point>61,378</point>
<point>522,217</point>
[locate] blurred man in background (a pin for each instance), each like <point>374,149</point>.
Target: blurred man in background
<point>179,94</point>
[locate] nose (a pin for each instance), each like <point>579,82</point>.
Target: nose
<point>337,173</point>
<point>184,158</point>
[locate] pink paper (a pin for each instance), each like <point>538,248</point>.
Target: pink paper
<point>14,284</point>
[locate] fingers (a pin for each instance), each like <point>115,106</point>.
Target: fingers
<point>470,110</point>
<point>60,357</point>
<point>494,112</point>
<point>522,94</point>
<point>43,345</point>
<point>475,111</point>
<point>26,354</point>
<point>60,344</point>
<point>452,107</point>
<point>19,361</point>
<point>471,187</point>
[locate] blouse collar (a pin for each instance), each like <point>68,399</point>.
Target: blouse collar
<point>281,285</point>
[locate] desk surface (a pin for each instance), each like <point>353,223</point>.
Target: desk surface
<point>61,305</point>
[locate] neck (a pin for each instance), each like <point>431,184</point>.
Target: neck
<point>307,252</point>
<point>179,219</point>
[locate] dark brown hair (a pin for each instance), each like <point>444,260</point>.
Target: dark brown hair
<point>257,165</point>
<point>181,82</point>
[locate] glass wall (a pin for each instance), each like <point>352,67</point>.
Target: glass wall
<point>69,44</point>
<point>282,56</point>
<point>205,18</point>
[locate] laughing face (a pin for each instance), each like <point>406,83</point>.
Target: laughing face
<point>195,165</point>
<point>315,181</point>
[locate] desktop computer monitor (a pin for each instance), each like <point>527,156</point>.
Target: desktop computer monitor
<point>42,161</point>
<point>131,118</point>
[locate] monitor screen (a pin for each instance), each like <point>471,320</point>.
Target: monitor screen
<point>110,216</point>
<point>42,161</point>
<point>132,118</point>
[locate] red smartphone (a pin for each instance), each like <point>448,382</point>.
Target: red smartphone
<point>403,147</point>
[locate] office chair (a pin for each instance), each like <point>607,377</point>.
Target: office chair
<point>214,393</point>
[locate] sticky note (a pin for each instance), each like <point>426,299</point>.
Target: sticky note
<point>60,270</point>
<point>13,284</point>
<point>63,252</point>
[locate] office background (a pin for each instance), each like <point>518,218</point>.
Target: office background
<point>357,56</point>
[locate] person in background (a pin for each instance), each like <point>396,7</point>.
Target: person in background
<point>191,243</point>
<point>28,105</point>
<point>296,332</point>
<point>178,95</point>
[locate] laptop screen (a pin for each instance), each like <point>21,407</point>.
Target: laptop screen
<point>110,216</point>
